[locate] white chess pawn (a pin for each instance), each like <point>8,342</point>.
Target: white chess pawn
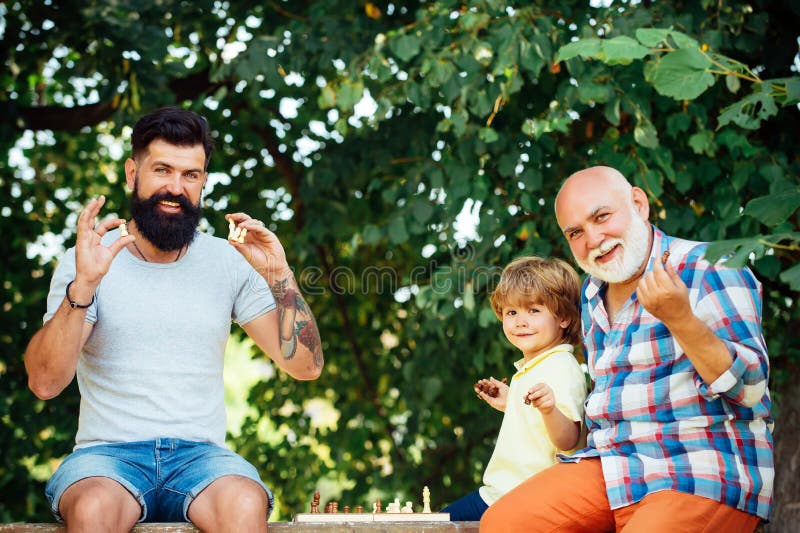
<point>407,508</point>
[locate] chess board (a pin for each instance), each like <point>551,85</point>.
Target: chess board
<point>372,517</point>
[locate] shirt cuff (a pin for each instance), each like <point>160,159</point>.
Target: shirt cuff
<point>728,383</point>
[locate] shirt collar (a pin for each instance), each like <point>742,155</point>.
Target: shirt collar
<point>522,365</point>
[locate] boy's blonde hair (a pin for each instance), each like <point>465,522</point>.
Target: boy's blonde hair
<point>550,282</point>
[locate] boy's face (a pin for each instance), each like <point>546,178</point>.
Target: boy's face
<point>532,328</point>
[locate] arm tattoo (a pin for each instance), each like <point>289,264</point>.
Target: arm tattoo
<point>296,323</point>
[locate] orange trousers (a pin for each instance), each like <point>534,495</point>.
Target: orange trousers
<point>571,497</point>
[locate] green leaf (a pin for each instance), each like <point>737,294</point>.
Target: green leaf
<point>769,266</point>
<point>468,298</point>
<point>652,183</point>
<point>439,72</point>
<point>532,178</point>
<point>422,210</point>
<point>371,234</point>
<point>349,94</point>
<point>594,92</point>
<point>683,40</point>
<point>488,135</point>
<point>327,97</point>
<point>701,142</point>
<point>406,46</point>
<point>472,20</point>
<point>683,74</point>
<point>530,59</point>
<point>749,111</point>
<point>718,249</point>
<point>397,231</point>
<point>623,50</point>
<point>774,208</point>
<point>677,124</point>
<point>611,111</point>
<point>431,389</point>
<point>792,277</point>
<point>732,83</point>
<point>792,91</point>
<point>652,37</point>
<point>645,134</point>
<point>586,48</point>
<point>487,317</point>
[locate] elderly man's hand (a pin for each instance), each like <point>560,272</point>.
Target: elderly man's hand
<point>662,292</point>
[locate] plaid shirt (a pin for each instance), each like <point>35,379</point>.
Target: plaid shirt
<point>653,421</point>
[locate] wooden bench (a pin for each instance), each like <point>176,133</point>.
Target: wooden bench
<point>278,527</point>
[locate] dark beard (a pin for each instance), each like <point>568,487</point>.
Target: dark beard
<point>165,232</point>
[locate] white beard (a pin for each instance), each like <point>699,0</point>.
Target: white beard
<point>635,244</point>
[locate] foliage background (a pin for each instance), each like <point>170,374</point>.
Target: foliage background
<point>479,108</point>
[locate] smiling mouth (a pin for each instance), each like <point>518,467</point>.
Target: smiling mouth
<point>169,204</point>
<point>604,255</point>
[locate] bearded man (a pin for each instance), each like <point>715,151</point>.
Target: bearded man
<point>679,412</point>
<point>142,319</point>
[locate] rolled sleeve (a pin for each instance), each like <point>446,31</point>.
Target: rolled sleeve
<point>731,306</point>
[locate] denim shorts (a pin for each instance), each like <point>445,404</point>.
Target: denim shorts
<point>164,475</point>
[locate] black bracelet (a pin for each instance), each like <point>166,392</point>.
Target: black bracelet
<point>72,303</point>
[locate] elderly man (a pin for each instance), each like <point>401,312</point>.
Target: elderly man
<point>679,412</point>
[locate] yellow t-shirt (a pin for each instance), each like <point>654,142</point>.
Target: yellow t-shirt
<point>523,446</point>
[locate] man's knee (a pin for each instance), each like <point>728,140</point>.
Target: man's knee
<point>232,502</point>
<point>99,504</point>
<point>249,500</point>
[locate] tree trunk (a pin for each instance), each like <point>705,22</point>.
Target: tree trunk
<point>786,518</point>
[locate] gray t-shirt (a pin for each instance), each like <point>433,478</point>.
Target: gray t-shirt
<point>152,366</point>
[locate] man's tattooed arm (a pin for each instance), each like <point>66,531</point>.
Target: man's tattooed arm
<point>296,322</point>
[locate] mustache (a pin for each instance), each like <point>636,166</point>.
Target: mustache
<point>183,201</point>
<point>605,247</point>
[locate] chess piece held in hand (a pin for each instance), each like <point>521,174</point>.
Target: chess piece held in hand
<point>487,387</point>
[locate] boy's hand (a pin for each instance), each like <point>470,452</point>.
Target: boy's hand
<point>542,398</point>
<point>492,392</point>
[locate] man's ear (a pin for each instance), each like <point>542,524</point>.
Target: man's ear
<point>130,173</point>
<point>640,203</point>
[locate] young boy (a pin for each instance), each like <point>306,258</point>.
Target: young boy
<point>538,301</point>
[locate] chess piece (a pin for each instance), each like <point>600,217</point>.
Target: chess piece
<point>407,508</point>
<point>488,388</point>
<point>315,503</point>
<point>376,508</point>
<point>359,508</point>
<point>393,507</point>
<point>335,507</point>
<point>346,508</point>
<point>426,499</point>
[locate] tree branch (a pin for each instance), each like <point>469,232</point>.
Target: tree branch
<point>59,118</point>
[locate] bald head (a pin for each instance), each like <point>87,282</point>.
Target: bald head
<point>590,182</point>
